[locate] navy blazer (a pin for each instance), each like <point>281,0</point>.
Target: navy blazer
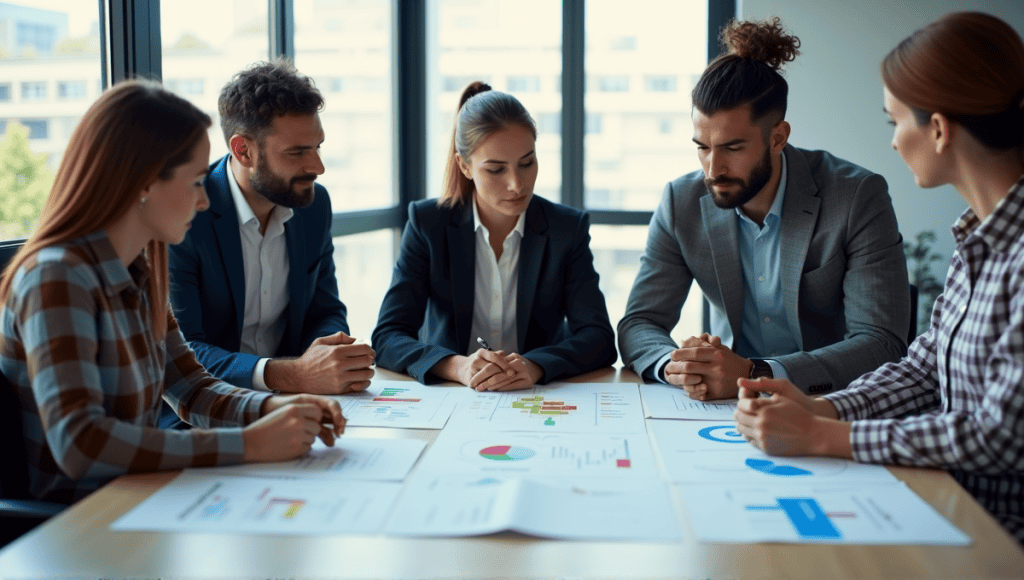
<point>208,282</point>
<point>427,313</point>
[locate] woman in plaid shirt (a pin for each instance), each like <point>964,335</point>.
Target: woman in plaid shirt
<point>954,92</point>
<point>86,334</point>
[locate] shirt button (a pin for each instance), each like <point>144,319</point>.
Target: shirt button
<point>766,319</point>
<point>761,279</point>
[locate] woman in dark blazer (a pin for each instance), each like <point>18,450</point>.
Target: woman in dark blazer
<point>491,266</point>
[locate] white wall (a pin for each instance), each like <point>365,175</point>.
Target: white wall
<point>835,90</point>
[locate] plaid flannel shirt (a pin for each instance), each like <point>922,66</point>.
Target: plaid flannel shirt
<point>75,341</point>
<point>956,401</point>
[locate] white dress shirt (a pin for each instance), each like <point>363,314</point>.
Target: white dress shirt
<point>495,288</point>
<point>265,262</point>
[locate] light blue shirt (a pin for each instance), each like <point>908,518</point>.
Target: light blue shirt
<point>766,330</point>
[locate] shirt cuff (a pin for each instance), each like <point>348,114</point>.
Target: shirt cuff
<point>778,371</point>
<point>659,368</point>
<point>258,383</point>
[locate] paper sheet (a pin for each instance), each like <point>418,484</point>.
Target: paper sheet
<point>399,404</point>
<point>542,455</point>
<point>350,458</point>
<point>746,464</point>
<point>197,501</point>
<point>668,402</point>
<point>452,506</point>
<point>557,408</point>
<point>871,514</point>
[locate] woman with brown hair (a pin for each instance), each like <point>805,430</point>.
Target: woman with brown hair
<point>86,334</point>
<point>490,265</point>
<point>954,92</point>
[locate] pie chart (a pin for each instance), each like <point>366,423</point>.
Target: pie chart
<point>506,453</point>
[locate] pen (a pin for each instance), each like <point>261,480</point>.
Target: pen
<point>483,343</point>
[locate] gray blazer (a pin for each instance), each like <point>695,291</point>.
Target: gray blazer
<point>844,275</point>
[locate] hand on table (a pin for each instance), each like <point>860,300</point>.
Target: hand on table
<point>288,426</point>
<point>788,422</point>
<point>332,365</point>
<point>706,369</point>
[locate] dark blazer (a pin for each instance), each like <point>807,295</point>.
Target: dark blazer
<point>208,282</point>
<point>844,275</point>
<point>427,313</point>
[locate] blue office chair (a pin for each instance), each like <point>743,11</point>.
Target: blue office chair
<point>19,511</point>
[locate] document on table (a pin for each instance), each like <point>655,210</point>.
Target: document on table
<point>350,458</point>
<point>553,454</point>
<point>668,402</point>
<point>563,509</point>
<point>399,404</point>
<point>197,501</point>
<point>869,514</point>
<point>555,408</point>
<point>718,459</point>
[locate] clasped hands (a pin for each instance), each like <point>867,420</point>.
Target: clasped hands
<point>332,365</point>
<point>489,370</point>
<point>706,369</point>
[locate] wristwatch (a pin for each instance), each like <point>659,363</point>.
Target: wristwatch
<point>760,369</point>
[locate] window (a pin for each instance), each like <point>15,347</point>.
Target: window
<point>33,91</point>
<point>523,84</point>
<point>660,83</point>
<point>45,46</point>
<point>619,42</point>
<point>484,40</point>
<point>70,90</point>
<point>198,53</point>
<point>594,122</point>
<point>37,128</point>
<point>613,84</point>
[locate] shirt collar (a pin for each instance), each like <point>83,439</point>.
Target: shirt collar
<point>1000,229</point>
<point>112,271</point>
<point>478,225</point>
<point>780,192</point>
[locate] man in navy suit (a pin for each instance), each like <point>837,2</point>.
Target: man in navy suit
<point>253,284</point>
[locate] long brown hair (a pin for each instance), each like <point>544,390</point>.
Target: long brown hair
<point>968,66</point>
<point>481,112</point>
<point>134,134</point>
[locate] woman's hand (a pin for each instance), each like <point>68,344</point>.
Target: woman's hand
<point>788,422</point>
<point>289,425</point>
<point>526,374</point>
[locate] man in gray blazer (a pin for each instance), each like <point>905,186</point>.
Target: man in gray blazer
<point>798,252</point>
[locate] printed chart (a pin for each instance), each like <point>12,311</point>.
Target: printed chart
<point>460,506</point>
<point>702,453</point>
<point>668,402</point>
<point>350,458</point>
<point>871,514</point>
<point>556,408</point>
<point>619,456</point>
<point>201,501</point>
<point>399,404</point>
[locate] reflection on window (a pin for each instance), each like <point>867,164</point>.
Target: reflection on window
<point>363,265</point>
<point>50,68</point>
<point>345,47</point>
<point>509,44</point>
<point>656,60</point>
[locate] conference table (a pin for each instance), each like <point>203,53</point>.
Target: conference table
<point>79,543</point>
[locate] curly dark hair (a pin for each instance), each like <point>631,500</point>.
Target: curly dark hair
<point>747,73</point>
<point>252,99</point>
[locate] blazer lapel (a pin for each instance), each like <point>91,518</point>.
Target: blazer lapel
<point>720,225</point>
<point>799,215</point>
<point>461,241</point>
<point>295,239</point>
<point>229,240</point>
<point>531,257</point>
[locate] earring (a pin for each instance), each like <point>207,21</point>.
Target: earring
<point>142,200</point>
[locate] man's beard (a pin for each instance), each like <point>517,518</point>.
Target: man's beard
<point>759,176</point>
<point>266,183</point>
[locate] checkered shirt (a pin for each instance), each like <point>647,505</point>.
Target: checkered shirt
<point>75,342</point>
<point>956,401</point>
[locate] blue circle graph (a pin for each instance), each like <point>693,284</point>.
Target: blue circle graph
<point>729,436</point>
